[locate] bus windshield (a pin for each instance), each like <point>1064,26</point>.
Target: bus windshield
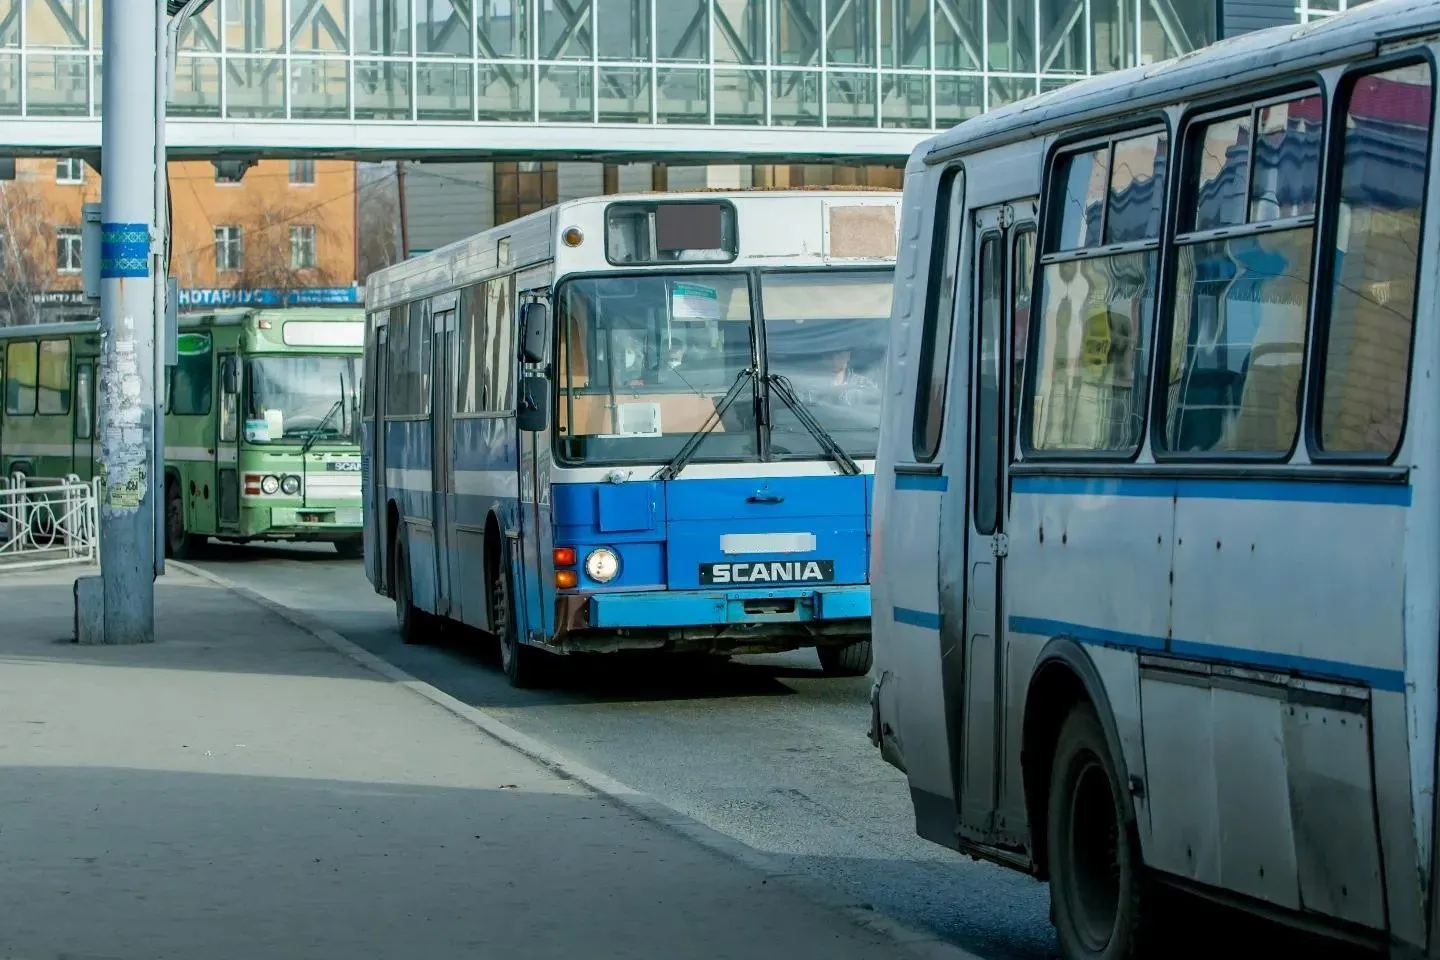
<point>296,397</point>
<point>645,361</point>
<point>826,332</point>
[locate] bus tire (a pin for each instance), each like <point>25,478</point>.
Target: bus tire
<point>525,666</point>
<point>1100,897</point>
<point>846,660</point>
<point>351,548</point>
<point>179,545</point>
<point>415,625</point>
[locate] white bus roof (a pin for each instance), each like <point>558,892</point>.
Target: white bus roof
<point>1247,58</point>
<point>530,240</point>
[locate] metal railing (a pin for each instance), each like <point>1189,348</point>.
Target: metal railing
<point>48,521</point>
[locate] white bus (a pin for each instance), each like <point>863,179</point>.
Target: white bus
<point>1156,576</point>
<point>634,422</point>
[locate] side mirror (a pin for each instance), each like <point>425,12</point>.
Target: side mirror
<point>534,332</point>
<point>230,375</point>
<point>533,413</point>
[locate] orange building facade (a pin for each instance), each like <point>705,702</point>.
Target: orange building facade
<point>287,225</point>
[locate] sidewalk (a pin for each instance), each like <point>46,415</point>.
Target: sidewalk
<point>240,790</point>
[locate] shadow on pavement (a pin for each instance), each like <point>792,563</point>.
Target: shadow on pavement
<point>109,861</point>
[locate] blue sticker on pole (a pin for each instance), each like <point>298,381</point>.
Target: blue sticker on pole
<point>124,250</point>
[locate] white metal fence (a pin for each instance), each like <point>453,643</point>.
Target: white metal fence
<point>48,521</point>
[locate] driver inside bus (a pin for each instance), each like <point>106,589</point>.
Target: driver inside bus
<point>843,377</point>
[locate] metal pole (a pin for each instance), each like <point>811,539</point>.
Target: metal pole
<point>404,214</point>
<point>127,322</point>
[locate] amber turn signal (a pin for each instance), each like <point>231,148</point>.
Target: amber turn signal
<point>566,579</point>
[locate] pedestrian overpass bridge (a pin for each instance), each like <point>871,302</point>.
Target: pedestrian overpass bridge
<point>615,80</point>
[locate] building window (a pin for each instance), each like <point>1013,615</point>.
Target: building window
<point>67,249</point>
<point>69,170</point>
<point>523,188</point>
<point>302,172</point>
<point>229,254</point>
<point>302,247</point>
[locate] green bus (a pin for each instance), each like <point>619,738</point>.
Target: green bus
<point>262,425</point>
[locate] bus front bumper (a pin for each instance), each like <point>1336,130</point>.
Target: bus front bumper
<point>313,522</point>
<point>732,621</point>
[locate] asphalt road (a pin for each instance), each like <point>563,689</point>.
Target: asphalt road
<point>763,749</point>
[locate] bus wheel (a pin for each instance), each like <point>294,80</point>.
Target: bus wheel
<point>179,545</point>
<point>415,624</point>
<point>847,660</point>
<point>351,549</point>
<point>1098,890</point>
<point>524,666</point>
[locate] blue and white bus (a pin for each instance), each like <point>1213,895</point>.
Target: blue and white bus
<point>1157,518</point>
<point>634,423</point>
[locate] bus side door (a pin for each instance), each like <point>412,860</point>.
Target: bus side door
<point>444,310</point>
<point>372,453</point>
<point>977,514</point>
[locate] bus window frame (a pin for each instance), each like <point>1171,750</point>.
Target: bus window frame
<point>85,399</point>
<point>1326,236</point>
<point>9,366</point>
<point>68,407</point>
<point>466,323</point>
<point>1179,194</point>
<point>948,224</point>
<point>1051,188</point>
<point>652,204</point>
<point>758,358</point>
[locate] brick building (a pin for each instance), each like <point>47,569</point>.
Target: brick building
<point>287,225</point>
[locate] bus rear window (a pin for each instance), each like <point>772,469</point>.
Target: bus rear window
<point>683,232</point>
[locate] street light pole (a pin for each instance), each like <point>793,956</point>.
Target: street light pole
<point>121,608</point>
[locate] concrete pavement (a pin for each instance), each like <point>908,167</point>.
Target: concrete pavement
<point>764,750</point>
<point>239,789</point>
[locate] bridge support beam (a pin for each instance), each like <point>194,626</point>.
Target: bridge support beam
<point>130,500</point>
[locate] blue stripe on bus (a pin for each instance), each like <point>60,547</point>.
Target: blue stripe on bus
<point>917,618</point>
<point>1288,491</point>
<point>921,481</point>
<point>1377,678</point>
<point>1094,635</point>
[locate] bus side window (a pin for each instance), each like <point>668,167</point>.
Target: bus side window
<point>934,368</point>
<point>53,381</point>
<point>229,400</point>
<point>1097,281</point>
<point>1022,278</point>
<point>21,366</point>
<point>1376,269</point>
<point>367,378</point>
<point>84,401</point>
<point>500,358</point>
<point>471,372</point>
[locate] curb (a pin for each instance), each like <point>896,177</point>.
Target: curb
<point>771,867</point>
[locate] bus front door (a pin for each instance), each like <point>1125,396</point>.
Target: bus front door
<point>977,514</point>
<point>227,444</point>
<point>378,548</point>
<point>444,310</point>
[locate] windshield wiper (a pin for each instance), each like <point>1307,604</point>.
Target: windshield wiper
<point>672,469</point>
<point>786,393</point>
<point>314,436</point>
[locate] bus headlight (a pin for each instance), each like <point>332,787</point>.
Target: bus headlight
<point>602,565</point>
<point>270,484</point>
<point>290,486</point>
